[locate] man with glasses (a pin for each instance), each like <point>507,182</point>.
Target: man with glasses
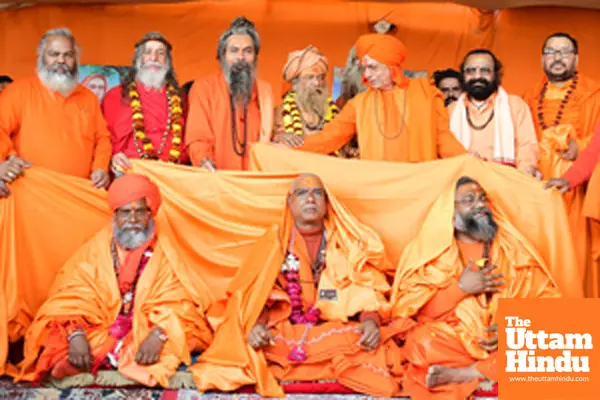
<point>566,108</point>
<point>307,305</point>
<point>475,257</point>
<point>121,302</point>
<point>489,122</point>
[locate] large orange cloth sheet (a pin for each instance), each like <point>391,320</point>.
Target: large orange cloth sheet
<point>213,219</point>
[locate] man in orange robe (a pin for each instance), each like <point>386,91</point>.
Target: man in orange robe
<point>119,302</point>
<point>231,109</point>
<point>449,279</point>
<point>306,306</point>
<point>488,121</point>
<point>396,119</point>
<point>51,121</point>
<point>566,109</point>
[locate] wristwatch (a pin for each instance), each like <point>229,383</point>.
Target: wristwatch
<point>161,335</point>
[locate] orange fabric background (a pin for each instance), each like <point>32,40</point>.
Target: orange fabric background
<point>436,35</point>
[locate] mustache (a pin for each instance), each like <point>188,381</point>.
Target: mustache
<point>54,69</point>
<point>449,100</point>
<point>558,63</point>
<point>483,81</point>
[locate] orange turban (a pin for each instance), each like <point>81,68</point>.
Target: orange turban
<point>132,187</point>
<point>301,60</point>
<point>386,49</point>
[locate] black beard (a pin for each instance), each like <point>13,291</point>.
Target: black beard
<point>565,76</point>
<point>480,92</point>
<point>483,229</point>
<point>241,81</point>
<point>449,100</point>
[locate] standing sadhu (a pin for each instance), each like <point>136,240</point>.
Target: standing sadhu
<point>396,119</point>
<point>51,121</point>
<point>566,108</point>
<point>145,113</point>
<point>233,108</point>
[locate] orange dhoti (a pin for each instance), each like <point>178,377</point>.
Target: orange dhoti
<point>431,344</point>
<point>333,355</point>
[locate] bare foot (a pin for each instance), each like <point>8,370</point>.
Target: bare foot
<point>438,375</point>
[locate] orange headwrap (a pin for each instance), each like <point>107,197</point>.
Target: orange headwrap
<point>301,60</point>
<point>132,187</point>
<point>385,49</point>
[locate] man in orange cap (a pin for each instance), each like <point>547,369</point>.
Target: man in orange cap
<point>120,303</point>
<point>306,306</point>
<point>307,107</point>
<point>396,119</point>
<point>450,278</point>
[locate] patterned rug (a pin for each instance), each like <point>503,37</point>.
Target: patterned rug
<point>24,391</point>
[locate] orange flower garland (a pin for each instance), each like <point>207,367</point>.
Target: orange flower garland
<point>174,125</point>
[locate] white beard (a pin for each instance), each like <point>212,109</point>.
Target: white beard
<point>152,78</point>
<point>64,83</point>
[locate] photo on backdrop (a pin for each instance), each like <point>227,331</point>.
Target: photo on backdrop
<point>338,73</point>
<point>101,78</point>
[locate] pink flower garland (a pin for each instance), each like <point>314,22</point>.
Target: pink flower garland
<point>298,316</point>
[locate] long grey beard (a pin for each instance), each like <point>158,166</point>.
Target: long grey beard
<point>483,229</point>
<point>150,78</point>
<point>352,81</point>
<point>314,101</point>
<point>130,239</point>
<point>62,82</point>
<point>240,77</point>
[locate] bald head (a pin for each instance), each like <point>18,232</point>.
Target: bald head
<point>307,201</point>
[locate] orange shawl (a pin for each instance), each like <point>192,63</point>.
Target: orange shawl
<point>355,258</point>
<point>431,262</point>
<point>86,289</point>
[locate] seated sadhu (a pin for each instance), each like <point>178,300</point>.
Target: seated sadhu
<point>450,277</point>
<point>119,302</point>
<point>306,305</point>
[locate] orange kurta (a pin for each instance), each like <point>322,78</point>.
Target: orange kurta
<point>431,265</point>
<point>86,290</point>
<point>209,126</point>
<point>482,141</point>
<point>402,124</point>
<point>64,134</point>
<point>579,118</point>
<point>352,282</point>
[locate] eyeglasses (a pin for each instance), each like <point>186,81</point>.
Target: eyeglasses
<point>317,193</point>
<point>554,52</point>
<point>471,200</point>
<point>138,213</point>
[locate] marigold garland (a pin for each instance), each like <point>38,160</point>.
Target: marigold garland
<point>292,119</point>
<point>174,125</point>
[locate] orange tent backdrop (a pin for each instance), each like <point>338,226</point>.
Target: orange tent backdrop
<point>437,35</point>
<point>212,219</point>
